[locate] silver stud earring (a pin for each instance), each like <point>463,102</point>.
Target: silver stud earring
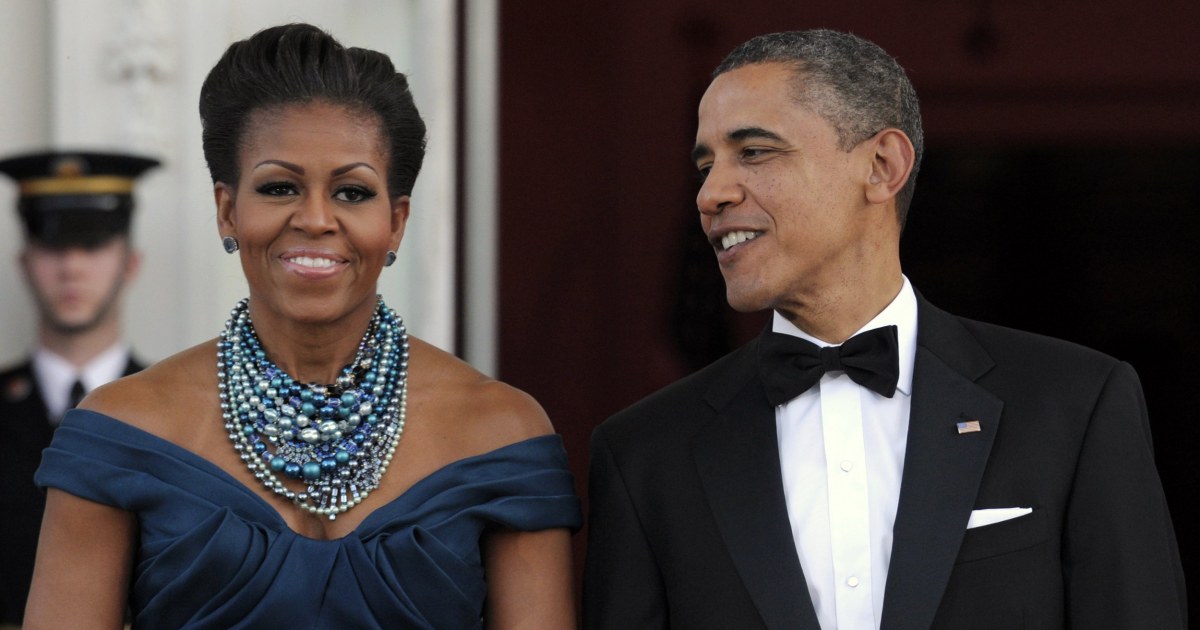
<point>230,244</point>
<point>390,259</point>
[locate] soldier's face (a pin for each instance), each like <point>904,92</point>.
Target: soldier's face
<point>77,288</point>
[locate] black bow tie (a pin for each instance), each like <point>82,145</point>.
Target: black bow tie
<point>790,365</point>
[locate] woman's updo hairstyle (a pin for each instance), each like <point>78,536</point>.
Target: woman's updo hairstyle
<point>301,64</point>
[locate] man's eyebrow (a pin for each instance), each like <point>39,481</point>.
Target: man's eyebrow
<point>746,133</point>
<point>737,135</point>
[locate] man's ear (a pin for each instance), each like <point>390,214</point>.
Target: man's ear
<point>23,263</point>
<point>133,263</point>
<point>891,165</point>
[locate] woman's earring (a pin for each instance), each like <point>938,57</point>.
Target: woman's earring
<point>230,244</point>
<point>390,259</point>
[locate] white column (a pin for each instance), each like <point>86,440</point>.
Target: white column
<point>24,126</point>
<point>481,260</point>
<point>420,286</point>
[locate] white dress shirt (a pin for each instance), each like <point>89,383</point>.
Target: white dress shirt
<point>841,451</point>
<point>56,375</point>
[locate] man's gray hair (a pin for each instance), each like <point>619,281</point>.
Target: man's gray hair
<point>848,81</point>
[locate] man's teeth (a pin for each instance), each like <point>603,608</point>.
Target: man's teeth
<point>318,263</point>
<point>733,238</point>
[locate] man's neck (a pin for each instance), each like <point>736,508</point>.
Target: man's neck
<point>79,347</point>
<point>834,313</point>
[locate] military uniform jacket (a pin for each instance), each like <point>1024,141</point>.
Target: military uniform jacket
<point>25,430</point>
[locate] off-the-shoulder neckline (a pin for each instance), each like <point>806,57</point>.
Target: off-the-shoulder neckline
<point>75,417</point>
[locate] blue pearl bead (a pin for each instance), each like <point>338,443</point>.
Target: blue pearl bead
<point>344,412</point>
<point>329,465</point>
<point>248,429</point>
<point>308,409</point>
<point>341,457</point>
<point>276,382</point>
<point>260,447</point>
<point>306,394</point>
<point>312,471</point>
<point>278,464</point>
<point>359,438</point>
<point>348,399</point>
<point>292,469</point>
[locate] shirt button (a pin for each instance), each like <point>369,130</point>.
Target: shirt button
<point>852,581</point>
<point>847,465</point>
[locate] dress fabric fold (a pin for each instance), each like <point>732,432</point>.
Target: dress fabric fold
<point>213,554</point>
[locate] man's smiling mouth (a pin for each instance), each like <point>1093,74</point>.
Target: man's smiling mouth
<point>736,238</point>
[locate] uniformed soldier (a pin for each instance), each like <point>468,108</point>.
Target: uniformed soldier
<point>77,260</point>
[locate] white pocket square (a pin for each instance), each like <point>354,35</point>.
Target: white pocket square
<point>979,518</point>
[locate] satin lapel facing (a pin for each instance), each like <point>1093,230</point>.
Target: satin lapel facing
<point>942,471</point>
<point>737,458</point>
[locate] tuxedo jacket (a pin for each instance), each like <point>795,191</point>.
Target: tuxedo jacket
<point>25,431</point>
<point>688,526</point>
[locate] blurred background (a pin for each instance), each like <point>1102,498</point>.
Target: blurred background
<point>555,241</point>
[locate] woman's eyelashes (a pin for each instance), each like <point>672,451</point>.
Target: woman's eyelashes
<point>276,189</point>
<point>349,194</point>
<point>354,194</point>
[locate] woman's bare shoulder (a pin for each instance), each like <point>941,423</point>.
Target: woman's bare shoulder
<point>481,412</point>
<point>166,397</point>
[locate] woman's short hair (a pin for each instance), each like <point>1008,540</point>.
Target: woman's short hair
<point>301,64</point>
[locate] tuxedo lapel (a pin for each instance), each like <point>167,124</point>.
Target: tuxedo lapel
<point>942,467</point>
<point>737,459</point>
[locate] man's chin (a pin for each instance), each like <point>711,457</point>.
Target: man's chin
<point>746,303</point>
<point>73,325</point>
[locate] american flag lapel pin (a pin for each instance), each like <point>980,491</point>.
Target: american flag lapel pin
<point>968,426</point>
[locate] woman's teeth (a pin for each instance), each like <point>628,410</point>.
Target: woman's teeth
<point>316,263</point>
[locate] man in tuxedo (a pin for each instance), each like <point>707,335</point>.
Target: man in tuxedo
<point>77,259</point>
<point>870,461</point>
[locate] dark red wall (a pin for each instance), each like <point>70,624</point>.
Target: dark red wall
<point>597,120</point>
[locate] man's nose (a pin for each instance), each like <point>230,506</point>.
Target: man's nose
<point>720,189</point>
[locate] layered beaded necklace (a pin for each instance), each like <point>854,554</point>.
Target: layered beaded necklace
<point>339,438</point>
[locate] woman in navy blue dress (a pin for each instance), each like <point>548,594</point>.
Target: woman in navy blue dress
<point>315,466</point>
